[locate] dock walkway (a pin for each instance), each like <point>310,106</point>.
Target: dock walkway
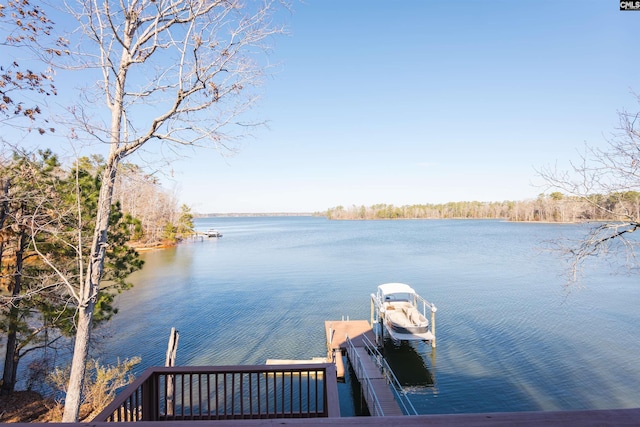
<point>375,388</point>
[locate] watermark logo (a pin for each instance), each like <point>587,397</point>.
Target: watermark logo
<point>629,5</point>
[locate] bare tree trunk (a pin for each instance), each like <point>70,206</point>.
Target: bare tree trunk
<point>81,349</point>
<point>207,62</point>
<point>89,295</point>
<point>12,357</point>
<point>4,210</point>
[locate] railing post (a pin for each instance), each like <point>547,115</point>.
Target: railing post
<point>331,400</point>
<point>150,398</point>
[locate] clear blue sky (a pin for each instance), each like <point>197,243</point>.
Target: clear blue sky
<point>423,101</point>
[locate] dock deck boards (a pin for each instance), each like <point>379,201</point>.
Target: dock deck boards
<point>364,367</point>
<point>337,331</point>
<point>371,370</point>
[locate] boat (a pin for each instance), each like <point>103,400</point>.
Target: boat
<point>212,233</point>
<point>403,313</point>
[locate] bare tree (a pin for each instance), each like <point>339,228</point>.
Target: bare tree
<point>609,182</point>
<point>26,27</point>
<point>142,196</point>
<point>176,71</point>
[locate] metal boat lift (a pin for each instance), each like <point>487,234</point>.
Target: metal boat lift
<point>379,303</point>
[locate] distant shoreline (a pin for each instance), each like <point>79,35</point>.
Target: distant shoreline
<point>240,214</point>
<point>320,214</point>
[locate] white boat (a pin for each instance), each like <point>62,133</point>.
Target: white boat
<point>403,313</point>
<point>212,233</point>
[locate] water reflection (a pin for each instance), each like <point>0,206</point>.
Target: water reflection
<point>408,364</point>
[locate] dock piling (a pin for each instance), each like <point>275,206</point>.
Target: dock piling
<point>433,326</point>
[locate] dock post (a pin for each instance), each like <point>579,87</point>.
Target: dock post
<point>376,317</point>
<point>171,361</point>
<point>433,325</point>
<point>372,313</point>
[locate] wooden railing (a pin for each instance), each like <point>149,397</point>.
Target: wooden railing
<point>226,393</point>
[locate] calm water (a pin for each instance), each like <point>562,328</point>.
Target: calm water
<point>509,337</point>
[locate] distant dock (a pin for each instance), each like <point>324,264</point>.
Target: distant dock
<point>211,233</point>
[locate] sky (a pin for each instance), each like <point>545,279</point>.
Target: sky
<point>422,101</point>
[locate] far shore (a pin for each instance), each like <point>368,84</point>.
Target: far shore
<point>254,214</point>
<point>322,214</point>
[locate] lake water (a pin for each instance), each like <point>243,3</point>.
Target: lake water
<point>509,337</point>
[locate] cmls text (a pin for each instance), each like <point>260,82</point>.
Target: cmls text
<point>629,5</point>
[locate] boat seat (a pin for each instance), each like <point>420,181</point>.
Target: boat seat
<point>416,317</point>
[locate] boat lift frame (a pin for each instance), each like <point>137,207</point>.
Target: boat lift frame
<point>377,316</point>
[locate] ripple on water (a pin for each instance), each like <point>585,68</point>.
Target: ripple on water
<point>508,338</point>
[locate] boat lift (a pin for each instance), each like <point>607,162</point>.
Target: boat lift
<point>378,312</point>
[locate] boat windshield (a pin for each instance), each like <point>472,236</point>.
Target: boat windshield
<point>399,296</point>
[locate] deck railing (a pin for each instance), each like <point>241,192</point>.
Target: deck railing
<point>226,393</point>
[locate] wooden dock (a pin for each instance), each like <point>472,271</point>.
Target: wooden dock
<point>337,331</point>
<point>375,389</point>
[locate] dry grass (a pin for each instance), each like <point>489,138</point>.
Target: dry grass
<point>29,406</point>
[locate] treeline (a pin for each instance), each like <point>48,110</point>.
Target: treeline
<point>156,211</point>
<point>153,214</point>
<point>555,207</point>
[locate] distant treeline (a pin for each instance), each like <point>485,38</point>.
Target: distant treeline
<point>250,214</point>
<point>555,207</point>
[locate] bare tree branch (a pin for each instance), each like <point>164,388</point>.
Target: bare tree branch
<point>609,180</point>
